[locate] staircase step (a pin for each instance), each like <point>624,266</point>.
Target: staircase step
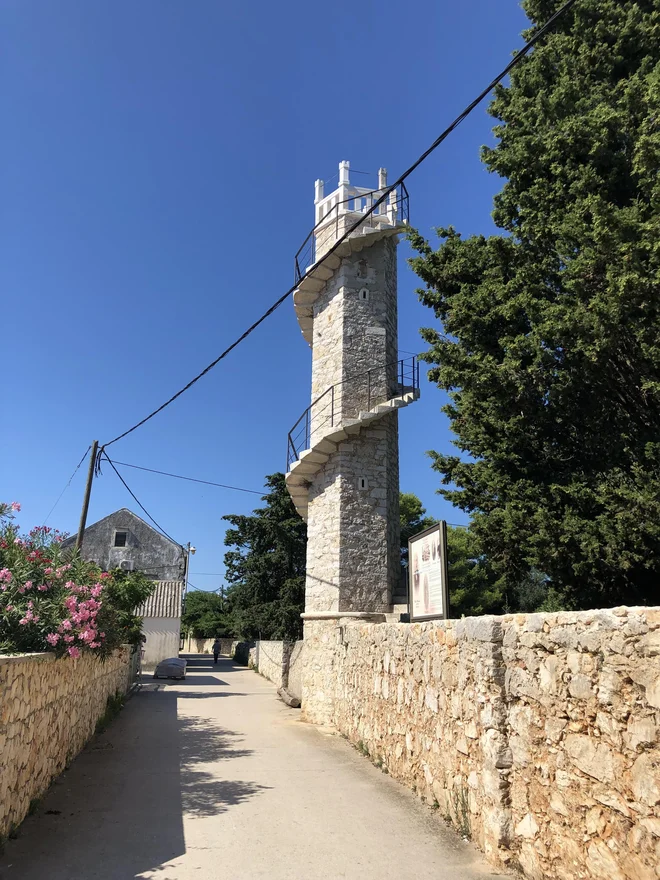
<point>352,426</point>
<point>325,446</point>
<point>322,271</point>
<point>336,435</point>
<point>313,284</point>
<point>308,468</point>
<point>314,456</point>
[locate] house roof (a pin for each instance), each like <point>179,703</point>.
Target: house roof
<point>165,601</point>
<point>123,510</point>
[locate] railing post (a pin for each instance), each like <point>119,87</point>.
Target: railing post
<point>369,390</point>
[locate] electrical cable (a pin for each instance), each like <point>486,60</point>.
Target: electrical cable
<point>401,179</point>
<point>190,479</point>
<point>141,506</point>
<point>59,498</point>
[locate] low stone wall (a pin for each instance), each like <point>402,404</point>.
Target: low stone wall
<point>48,712</point>
<point>294,682</point>
<point>279,662</point>
<point>272,661</point>
<point>536,735</point>
<point>205,646</point>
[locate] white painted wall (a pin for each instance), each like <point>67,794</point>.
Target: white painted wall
<point>162,639</point>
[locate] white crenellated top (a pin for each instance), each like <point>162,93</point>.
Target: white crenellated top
<point>347,199</point>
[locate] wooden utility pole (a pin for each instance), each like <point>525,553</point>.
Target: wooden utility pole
<point>88,492</point>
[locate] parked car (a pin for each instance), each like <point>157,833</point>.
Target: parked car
<point>174,667</point>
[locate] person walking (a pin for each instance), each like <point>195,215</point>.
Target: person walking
<point>216,650</point>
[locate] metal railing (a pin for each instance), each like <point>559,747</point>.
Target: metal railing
<point>395,209</point>
<point>346,399</point>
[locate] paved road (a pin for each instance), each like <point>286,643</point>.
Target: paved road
<point>214,777</point>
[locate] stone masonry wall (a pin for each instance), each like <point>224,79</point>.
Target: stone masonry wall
<point>48,711</point>
<point>536,735</point>
<point>355,568</point>
<point>272,661</point>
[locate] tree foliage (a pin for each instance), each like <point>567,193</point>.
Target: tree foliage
<point>266,567</point>
<point>412,515</point>
<point>53,600</point>
<point>205,616</point>
<point>549,343</point>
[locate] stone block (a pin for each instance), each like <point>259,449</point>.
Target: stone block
<point>645,779</point>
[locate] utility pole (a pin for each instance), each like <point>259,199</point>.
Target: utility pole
<point>88,492</point>
<point>190,549</point>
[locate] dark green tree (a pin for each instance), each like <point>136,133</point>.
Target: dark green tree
<point>266,567</point>
<point>549,338</point>
<point>126,591</point>
<point>475,587</point>
<point>412,515</point>
<point>205,616</point>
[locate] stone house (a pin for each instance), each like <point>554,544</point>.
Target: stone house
<point>124,540</point>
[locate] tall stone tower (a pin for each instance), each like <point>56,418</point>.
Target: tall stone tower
<point>343,459</point>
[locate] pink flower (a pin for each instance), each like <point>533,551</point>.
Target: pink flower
<point>5,575</point>
<point>15,506</point>
<point>42,588</point>
<point>23,621</point>
<point>68,639</point>
<point>97,590</point>
<point>52,639</point>
<point>21,590</point>
<point>48,571</point>
<point>10,607</point>
<point>19,542</point>
<point>28,585</point>
<point>65,625</point>
<point>73,652</point>
<point>94,644</point>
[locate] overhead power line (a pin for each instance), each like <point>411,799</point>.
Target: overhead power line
<point>401,179</point>
<point>140,505</point>
<point>59,497</point>
<point>190,479</point>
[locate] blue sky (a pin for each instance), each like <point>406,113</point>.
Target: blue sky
<point>157,168</point>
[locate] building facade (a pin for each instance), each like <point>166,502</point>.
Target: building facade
<point>123,540</point>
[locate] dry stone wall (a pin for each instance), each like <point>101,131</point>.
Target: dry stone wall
<point>48,711</point>
<point>536,735</point>
<point>272,661</point>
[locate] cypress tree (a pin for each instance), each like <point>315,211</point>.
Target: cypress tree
<point>549,342</point>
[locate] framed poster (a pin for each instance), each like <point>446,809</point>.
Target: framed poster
<point>428,588</point>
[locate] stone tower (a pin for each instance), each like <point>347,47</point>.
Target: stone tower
<point>343,460</point>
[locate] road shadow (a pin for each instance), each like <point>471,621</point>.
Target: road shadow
<point>118,812</point>
<point>203,741</point>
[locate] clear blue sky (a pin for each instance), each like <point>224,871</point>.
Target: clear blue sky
<point>158,161</point>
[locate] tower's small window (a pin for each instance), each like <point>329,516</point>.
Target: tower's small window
<point>362,483</point>
<point>364,294</point>
<point>120,539</point>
